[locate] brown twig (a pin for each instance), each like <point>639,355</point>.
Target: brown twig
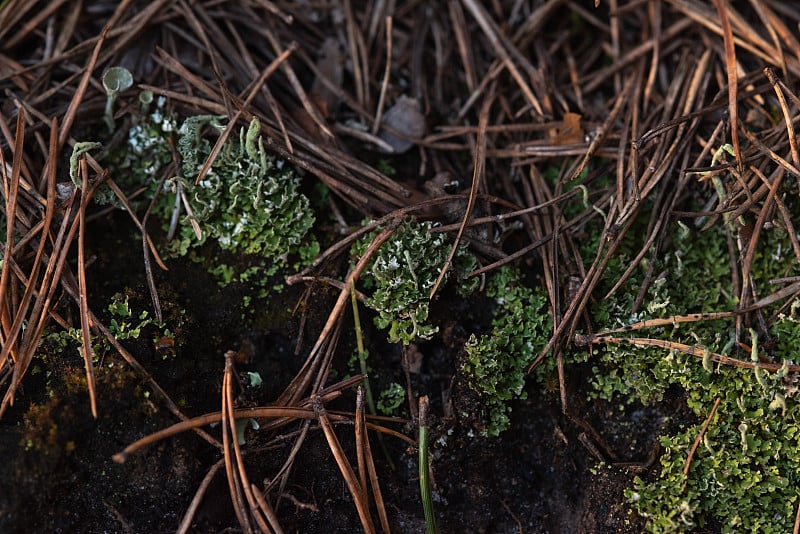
<point>88,352</point>
<point>356,489</point>
<point>700,436</point>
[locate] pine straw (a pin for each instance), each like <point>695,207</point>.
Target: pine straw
<point>644,92</point>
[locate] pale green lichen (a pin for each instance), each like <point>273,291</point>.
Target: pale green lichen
<point>403,272</point>
<point>140,161</point>
<point>746,472</point>
<point>77,151</point>
<point>248,202</point>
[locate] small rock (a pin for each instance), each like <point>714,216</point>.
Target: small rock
<point>404,117</point>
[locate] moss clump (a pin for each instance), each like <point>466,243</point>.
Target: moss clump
<point>495,364</point>
<point>124,322</point>
<point>403,272</point>
<point>745,473</point>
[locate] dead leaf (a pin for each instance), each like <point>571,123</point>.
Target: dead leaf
<point>329,64</point>
<point>570,131</point>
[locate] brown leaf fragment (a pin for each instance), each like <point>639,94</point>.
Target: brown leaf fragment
<point>329,65</point>
<point>570,131</point>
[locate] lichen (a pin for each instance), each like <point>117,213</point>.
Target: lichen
<point>745,473</point>
<point>249,202</point>
<point>403,272</point>
<point>139,162</point>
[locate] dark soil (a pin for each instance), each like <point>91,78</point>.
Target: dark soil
<point>59,477</point>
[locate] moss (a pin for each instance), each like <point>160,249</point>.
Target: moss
<point>41,430</point>
<point>745,473</point>
<point>125,323</point>
<point>495,364</point>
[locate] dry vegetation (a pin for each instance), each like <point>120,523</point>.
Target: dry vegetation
<point>565,118</point>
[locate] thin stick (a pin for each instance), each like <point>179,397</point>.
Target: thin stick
<point>686,349</point>
<point>10,189</point>
<point>269,512</point>
<point>477,178</point>
<point>262,79</point>
<point>733,82</point>
<point>72,110</point>
<point>667,321</point>
<point>303,378</point>
<point>52,272</point>
<point>356,45</point>
<point>228,432</point>
<point>280,415</point>
<point>88,353</point>
<point>796,528</point>
<point>373,479</point>
<point>237,448</point>
<point>188,516</point>
<point>493,34</point>
<point>700,436</point>
<point>308,105</point>
<point>356,490</point>
<point>385,84</point>
<point>787,119</point>
<point>360,437</point>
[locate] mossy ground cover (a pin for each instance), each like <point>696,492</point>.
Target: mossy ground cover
<point>572,231</point>
<point>743,474</point>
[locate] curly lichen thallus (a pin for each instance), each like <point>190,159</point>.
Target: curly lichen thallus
<point>719,187</point>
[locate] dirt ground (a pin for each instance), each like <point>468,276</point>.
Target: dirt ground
<point>538,478</point>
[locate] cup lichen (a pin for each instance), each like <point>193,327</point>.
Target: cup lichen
<point>403,271</point>
<point>248,202</point>
<point>745,474</point>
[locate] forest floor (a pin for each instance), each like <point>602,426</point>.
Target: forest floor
<point>634,163</point>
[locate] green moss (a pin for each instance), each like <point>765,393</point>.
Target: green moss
<point>495,364</point>
<point>391,398</point>
<point>745,473</point>
<point>123,322</point>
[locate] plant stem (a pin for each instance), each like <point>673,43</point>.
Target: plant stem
<point>362,358</point>
<point>424,477</point>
